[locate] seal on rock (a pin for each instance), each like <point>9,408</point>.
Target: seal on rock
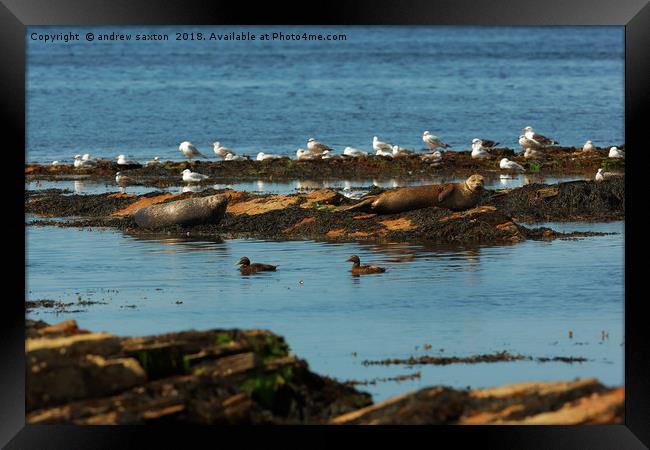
<point>191,211</point>
<point>455,196</point>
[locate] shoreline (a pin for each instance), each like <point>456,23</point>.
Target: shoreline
<point>558,161</point>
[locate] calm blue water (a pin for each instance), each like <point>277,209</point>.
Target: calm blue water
<point>350,187</point>
<point>142,99</point>
<point>521,298</point>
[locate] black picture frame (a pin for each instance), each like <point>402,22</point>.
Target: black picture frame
<point>16,15</point>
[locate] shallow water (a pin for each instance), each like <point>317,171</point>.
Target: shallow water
<point>352,188</point>
<point>143,98</point>
<point>522,298</point>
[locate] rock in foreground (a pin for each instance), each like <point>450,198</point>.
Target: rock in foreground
<point>249,377</point>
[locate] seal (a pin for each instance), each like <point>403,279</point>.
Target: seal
<point>247,268</point>
<point>455,196</point>
<point>358,269</point>
<point>191,211</point>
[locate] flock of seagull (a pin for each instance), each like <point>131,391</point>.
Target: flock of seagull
<point>532,143</point>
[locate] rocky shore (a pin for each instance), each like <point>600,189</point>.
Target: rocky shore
<point>319,215</point>
<point>557,161</point>
<point>236,376</point>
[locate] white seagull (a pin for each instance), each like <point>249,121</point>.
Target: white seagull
<point>79,162</point>
<point>532,153</point>
<point>530,134</point>
<point>86,157</point>
<point>153,162</point>
<point>316,147</point>
<point>122,161</point>
<point>122,179</point>
<point>193,177</point>
<point>588,147</point>
<point>527,143</point>
<point>432,157</point>
<point>384,153</point>
<point>401,151</point>
<point>233,157</point>
<point>600,176</point>
<point>221,151</point>
<point>510,165</point>
<point>56,163</point>
<point>432,141</point>
<point>478,151</point>
<point>302,154</point>
<point>189,150</point>
<point>354,152</point>
<point>614,152</point>
<point>378,146</point>
<point>261,156</point>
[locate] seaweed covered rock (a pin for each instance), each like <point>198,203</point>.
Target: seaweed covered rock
<point>206,377</point>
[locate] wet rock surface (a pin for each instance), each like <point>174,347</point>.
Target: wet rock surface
<point>575,402</point>
<point>233,376</point>
<point>207,377</point>
<point>318,214</point>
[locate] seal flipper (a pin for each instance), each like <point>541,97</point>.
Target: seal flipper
<point>445,193</point>
<point>363,205</point>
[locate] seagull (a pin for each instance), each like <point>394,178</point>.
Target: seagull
<point>532,153</point>
<point>401,151</point>
<point>316,147</point>
<point>122,179</point>
<point>432,157</point>
<point>56,163</point>
<point>600,176</point>
<point>354,152</point>
<point>153,162</point>
<point>527,143</point>
<point>614,152</point>
<point>432,141</point>
<point>193,177</point>
<point>233,157</point>
<point>261,156</point>
<point>221,151</point>
<point>488,143</point>
<point>189,151</point>
<point>478,151</point>
<point>378,145</point>
<point>588,147</point>
<point>79,162</point>
<point>302,154</point>
<point>86,157</point>
<point>381,152</point>
<point>122,161</point>
<point>530,134</point>
<point>510,165</point>
<point>328,155</point>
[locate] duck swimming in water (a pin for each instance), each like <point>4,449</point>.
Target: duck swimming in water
<point>358,269</point>
<point>247,268</point>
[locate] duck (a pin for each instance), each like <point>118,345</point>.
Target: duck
<point>358,269</point>
<point>247,268</point>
